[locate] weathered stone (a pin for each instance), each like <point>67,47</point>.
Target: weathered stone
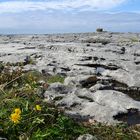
<point>99,76</point>
<point>86,137</point>
<point>81,104</point>
<point>97,39</point>
<point>59,88</point>
<point>89,81</point>
<point>3,138</point>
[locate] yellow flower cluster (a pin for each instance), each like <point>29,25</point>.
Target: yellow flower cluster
<point>15,117</point>
<point>17,111</point>
<point>38,107</point>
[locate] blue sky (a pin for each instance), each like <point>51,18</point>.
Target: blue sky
<point>60,16</point>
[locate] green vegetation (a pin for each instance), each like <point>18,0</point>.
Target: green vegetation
<point>25,116</point>
<point>28,61</point>
<point>118,132</point>
<point>55,78</point>
<point>134,39</point>
<point>37,119</point>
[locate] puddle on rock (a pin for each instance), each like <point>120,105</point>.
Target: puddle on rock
<point>132,117</point>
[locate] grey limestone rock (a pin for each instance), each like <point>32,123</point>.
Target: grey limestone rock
<point>86,137</point>
<point>100,105</point>
<point>102,78</point>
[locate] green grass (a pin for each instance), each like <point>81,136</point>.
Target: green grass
<point>55,78</point>
<point>134,39</point>
<point>117,132</point>
<point>18,89</point>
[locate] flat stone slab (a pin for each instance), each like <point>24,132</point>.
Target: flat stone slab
<point>82,104</point>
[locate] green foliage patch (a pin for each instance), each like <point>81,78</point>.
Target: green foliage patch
<point>55,78</point>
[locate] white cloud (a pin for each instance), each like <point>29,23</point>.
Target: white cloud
<point>37,22</point>
<point>25,5</point>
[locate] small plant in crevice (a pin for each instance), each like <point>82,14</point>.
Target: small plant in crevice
<point>55,78</point>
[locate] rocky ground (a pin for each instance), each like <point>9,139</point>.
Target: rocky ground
<point>101,70</point>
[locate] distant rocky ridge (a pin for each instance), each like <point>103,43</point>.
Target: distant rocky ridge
<point>101,70</point>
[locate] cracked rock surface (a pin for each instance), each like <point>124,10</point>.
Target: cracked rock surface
<point>102,70</point>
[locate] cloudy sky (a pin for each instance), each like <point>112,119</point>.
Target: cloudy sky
<point>59,16</point>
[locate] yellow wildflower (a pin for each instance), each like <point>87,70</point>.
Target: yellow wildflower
<point>18,111</point>
<point>15,117</point>
<point>38,107</point>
